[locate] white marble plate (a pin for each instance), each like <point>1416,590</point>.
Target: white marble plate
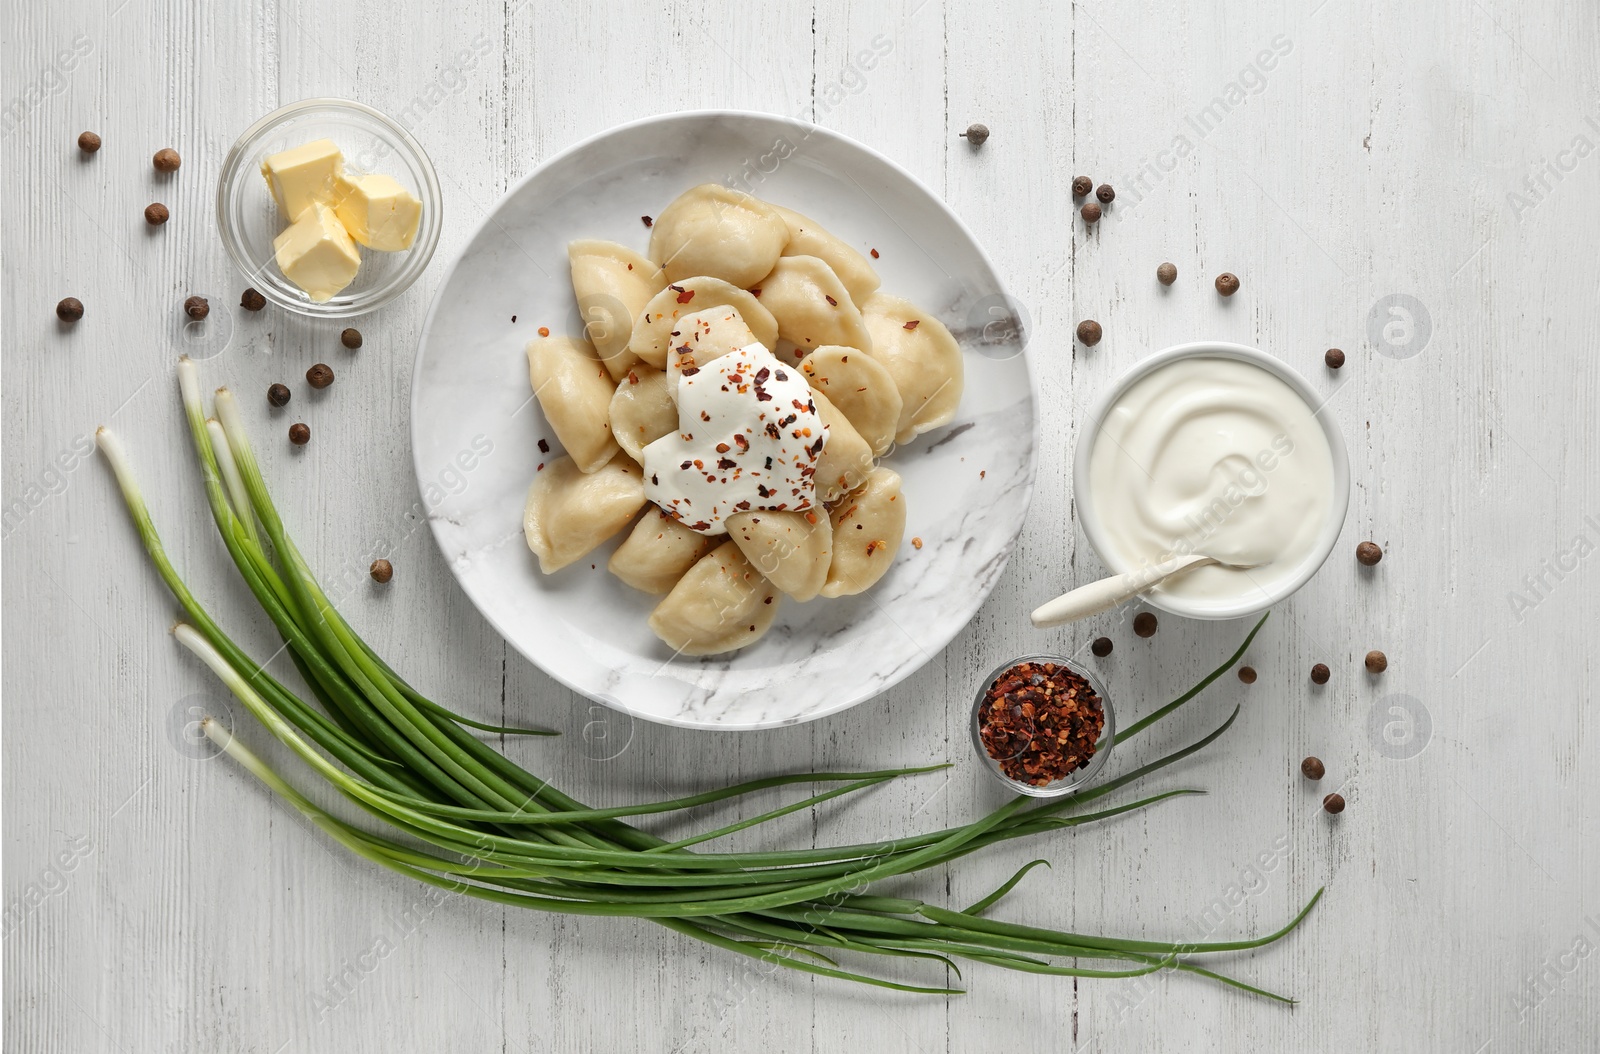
<point>475,428</point>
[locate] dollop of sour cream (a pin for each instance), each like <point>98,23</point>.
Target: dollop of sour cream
<point>748,439</point>
<point>1213,456</point>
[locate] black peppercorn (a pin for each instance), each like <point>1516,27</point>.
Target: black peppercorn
<point>1320,673</point>
<point>88,142</point>
<point>1334,803</point>
<point>278,395</point>
<point>1227,283</point>
<point>70,309</point>
<point>1081,185</point>
<point>299,434</point>
<point>155,214</point>
<point>1376,661</point>
<point>166,160</point>
<point>197,307</point>
<point>1105,193</point>
<point>1167,273</point>
<point>319,376</point>
<point>1090,212</point>
<point>1312,769</point>
<point>1368,553</point>
<point>976,134</point>
<point>1089,332</point>
<point>382,570</point>
<point>1144,624</point>
<point>351,338</point>
<point>1101,647</point>
<point>252,300</point>
<point>1334,358</point>
<point>1247,674</point>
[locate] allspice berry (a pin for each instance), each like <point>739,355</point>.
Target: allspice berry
<point>1334,803</point>
<point>278,395</point>
<point>1090,212</point>
<point>166,160</point>
<point>350,338</point>
<point>1368,553</point>
<point>1167,273</point>
<point>1144,624</point>
<point>382,570</point>
<point>1105,193</point>
<point>88,142</point>
<point>1334,358</point>
<point>299,434</point>
<point>252,300</point>
<point>1312,769</point>
<point>196,307</point>
<point>1101,647</point>
<point>1376,661</point>
<point>1320,673</point>
<point>70,309</point>
<point>320,375</point>
<point>1089,332</point>
<point>976,134</point>
<point>1227,283</point>
<point>155,214</point>
<point>1081,185</point>
<point>1247,674</point>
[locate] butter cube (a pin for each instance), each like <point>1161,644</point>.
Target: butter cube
<point>304,176</point>
<point>378,212</point>
<point>316,253</point>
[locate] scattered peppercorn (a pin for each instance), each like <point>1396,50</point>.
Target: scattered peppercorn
<point>1247,674</point>
<point>1167,273</point>
<point>70,309</point>
<point>1040,722</point>
<point>1101,647</point>
<point>319,376</point>
<point>1334,358</point>
<point>88,142</point>
<point>1312,769</point>
<point>166,160</point>
<point>1320,673</point>
<point>1376,661</point>
<point>350,338</point>
<point>1227,283</point>
<point>1334,803</point>
<point>382,570</point>
<point>1081,185</point>
<point>299,434</point>
<point>1105,193</point>
<point>1089,332</point>
<point>976,134</point>
<point>197,307</point>
<point>1144,624</point>
<point>1090,212</point>
<point>155,214</point>
<point>278,394</point>
<point>1368,553</point>
<point>252,300</point>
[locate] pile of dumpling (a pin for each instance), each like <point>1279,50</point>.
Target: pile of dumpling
<point>727,271</point>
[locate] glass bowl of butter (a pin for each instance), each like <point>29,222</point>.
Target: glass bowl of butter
<point>329,208</point>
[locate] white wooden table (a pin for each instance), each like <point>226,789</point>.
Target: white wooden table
<point>159,900</point>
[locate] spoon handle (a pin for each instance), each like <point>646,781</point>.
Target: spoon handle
<point>1107,593</point>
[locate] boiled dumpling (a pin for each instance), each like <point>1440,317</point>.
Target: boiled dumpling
<point>652,332</point>
<point>613,284</point>
<point>921,356</point>
<point>812,306</point>
<point>703,336</point>
<point>809,238</point>
<point>657,553</point>
<point>569,512</point>
<point>721,604</point>
<point>867,528</point>
<point>861,388</point>
<point>718,231</point>
<point>574,391</point>
<point>792,550</point>
<point>642,410</point>
<point>846,458</point>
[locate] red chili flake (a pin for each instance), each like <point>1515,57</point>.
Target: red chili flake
<point>633,378</point>
<point>722,448</point>
<point>513,318</point>
<point>874,545</point>
<point>916,543</point>
<point>686,465</point>
<point>982,472</point>
<point>756,291</point>
<point>648,222</point>
<point>544,331</point>
<point>704,416</point>
<point>913,323</point>
<point>874,254</point>
<point>686,296</point>
<point>540,468</point>
<point>727,462</point>
<point>811,518</point>
<point>544,446</point>
<point>831,301</point>
<point>1040,722</point>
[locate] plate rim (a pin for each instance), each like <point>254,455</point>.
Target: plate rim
<point>808,129</point>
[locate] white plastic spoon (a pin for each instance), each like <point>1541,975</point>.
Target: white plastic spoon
<point>1109,592</point>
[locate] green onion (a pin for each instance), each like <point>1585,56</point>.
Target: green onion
<point>449,810</point>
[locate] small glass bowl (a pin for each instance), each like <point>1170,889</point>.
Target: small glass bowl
<point>1073,781</point>
<point>249,219</point>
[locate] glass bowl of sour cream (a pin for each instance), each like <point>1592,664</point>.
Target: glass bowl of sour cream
<point>1217,449</point>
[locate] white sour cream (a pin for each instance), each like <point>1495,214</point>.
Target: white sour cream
<point>1212,456</point>
<point>748,439</point>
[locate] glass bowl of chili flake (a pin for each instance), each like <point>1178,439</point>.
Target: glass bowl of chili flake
<point>1043,725</point>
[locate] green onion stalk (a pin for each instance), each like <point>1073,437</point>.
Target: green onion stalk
<point>449,810</point>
